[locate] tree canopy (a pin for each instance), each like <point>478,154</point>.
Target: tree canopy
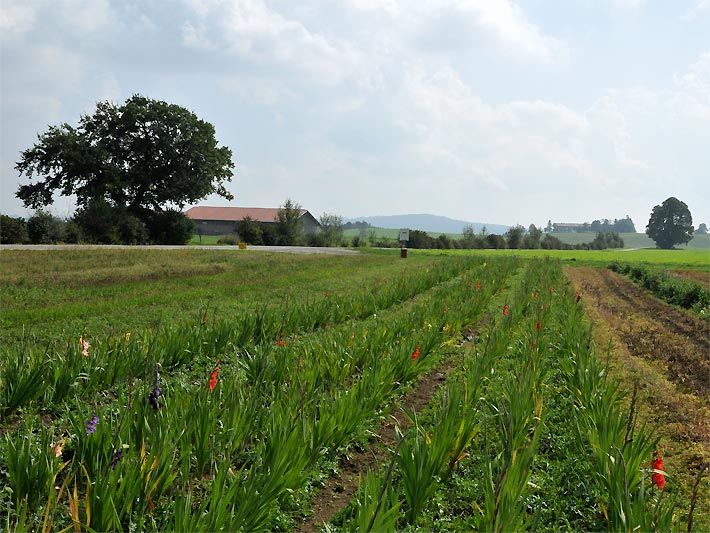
<point>141,157</point>
<point>670,224</point>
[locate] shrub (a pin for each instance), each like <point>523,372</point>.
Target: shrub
<point>72,232</point>
<point>170,227</point>
<point>45,228</point>
<point>97,220</point>
<point>232,239</point>
<point>13,230</point>
<point>250,231</point>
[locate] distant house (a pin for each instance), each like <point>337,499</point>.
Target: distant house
<point>222,220</point>
<point>567,227</point>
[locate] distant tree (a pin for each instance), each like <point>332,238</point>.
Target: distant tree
<point>625,225</point>
<point>420,239</point>
<point>13,230</point>
<point>702,229</point>
<point>532,239</point>
<point>495,241</point>
<point>670,224</point>
<point>514,236</point>
<point>468,239</point>
<point>250,231</point>
<point>45,228</point>
<point>140,158</point>
<point>289,226</point>
<point>331,229</point>
<point>548,228</point>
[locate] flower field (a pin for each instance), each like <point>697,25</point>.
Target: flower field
<point>234,418</point>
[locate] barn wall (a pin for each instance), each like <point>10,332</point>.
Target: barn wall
<point>214,227</point>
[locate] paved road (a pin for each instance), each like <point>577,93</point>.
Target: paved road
<point>278,249</point>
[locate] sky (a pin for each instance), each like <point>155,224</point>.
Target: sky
<point>498,111</point>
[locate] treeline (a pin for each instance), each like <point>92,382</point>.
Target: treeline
<point>516,237</point>
<point>98,223</point>
<point>624,225</point>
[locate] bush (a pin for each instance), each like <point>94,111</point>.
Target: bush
<point>232,239</point>
<point>45,228</point>
<point>170,227</point>
<point>250,231</point>
<point>97,220</point>
<point>72,232</point>
<point>13,230</point>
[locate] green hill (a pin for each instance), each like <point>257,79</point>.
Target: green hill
<point>633,240</point>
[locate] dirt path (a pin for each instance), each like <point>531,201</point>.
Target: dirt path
<point>663,351</point>
<point>698,276</point>
<point>341,487</point>
<point>649,328</point>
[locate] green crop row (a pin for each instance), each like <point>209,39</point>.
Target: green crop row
<point>533,401</point>
<point>34,376</point>
<point>232,452</point>
<point>674,290</point>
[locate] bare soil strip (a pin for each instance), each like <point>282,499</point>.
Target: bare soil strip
<point>650,328</point>
<point>665,352</point>
<point>341,487</point>
<point>698,276</point>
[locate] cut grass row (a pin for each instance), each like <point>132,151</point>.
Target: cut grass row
<point>55,296</point>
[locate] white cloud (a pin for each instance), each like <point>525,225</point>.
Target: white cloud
<point>627,4</point>
<point>693,96</point>
<point>252,30</point>
<point>16,17</point>
<point>514,31</point>
<point>86,15</point>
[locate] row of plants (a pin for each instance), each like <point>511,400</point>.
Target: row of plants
<point>532,434</point>
<point>44,377</point>
<point>672,289</point>
<point>428,456</point>
<point>237,451</point>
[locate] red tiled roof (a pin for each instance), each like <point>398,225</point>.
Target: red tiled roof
<point>259,214</point>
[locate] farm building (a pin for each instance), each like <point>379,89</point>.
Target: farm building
<point>222,220</point>
<point>567,227</point>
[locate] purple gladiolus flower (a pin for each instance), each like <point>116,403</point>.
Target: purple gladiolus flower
<point>154,398</point>
<point>117,456</point>
<point>91,424</point>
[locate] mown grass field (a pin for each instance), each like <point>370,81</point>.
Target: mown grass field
<point>227,390</point>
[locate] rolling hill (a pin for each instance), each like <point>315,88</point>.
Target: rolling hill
<point>429,223</point>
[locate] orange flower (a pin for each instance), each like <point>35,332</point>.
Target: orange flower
<point>657,478</point>
<point>281,343</point>
<point>506,310</point>
<point>478,285</point>
<point>415,353</point>
<point>213,377</point>
<point>537,326</point>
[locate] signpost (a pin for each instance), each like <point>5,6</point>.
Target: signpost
<point>403,239</point>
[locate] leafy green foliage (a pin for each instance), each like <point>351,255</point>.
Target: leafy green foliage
<point>289,226</point>
<point>670,223</point>
<point>13,230</point>
<point>674,290</point>
<point>250,231</point>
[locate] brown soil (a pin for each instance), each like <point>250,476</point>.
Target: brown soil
<point>341,487</point>
<point>664,351</point>
<point>650,328</point>
<point>698,276</point>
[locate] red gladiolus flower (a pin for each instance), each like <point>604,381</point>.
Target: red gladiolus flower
<point>213,377</point>
<point>506,310</point>
<point>478,285</point>
<point>282,343</point>
<point>415,353</point>
<point>537,326</point>
<point>657,478</point>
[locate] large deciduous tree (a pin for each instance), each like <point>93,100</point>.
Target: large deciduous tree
<point>140,157</point>
<point>670,224</point>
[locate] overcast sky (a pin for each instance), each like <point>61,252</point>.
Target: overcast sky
<point>484,110</point>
